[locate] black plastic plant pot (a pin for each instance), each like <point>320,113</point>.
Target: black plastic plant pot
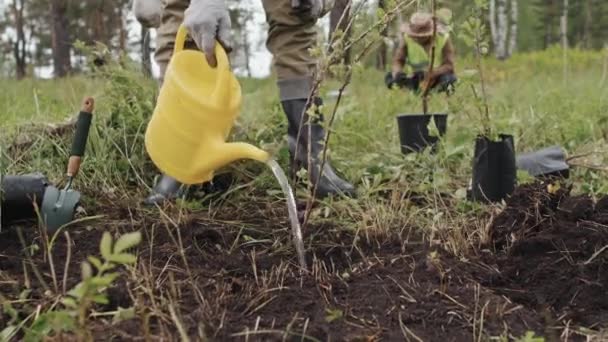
<point>494,169</point>
<point>18,194</point>
<point>414,131</point>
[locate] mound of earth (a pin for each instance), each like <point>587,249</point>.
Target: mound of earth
<point>552,254</point>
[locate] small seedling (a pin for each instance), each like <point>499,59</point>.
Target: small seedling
<point>333,315</point>
<point>530,336</point>
<point>474,35</point>
<point>97,275</point>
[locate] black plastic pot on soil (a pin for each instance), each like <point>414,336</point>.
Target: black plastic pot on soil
<point>414,133</point>
<point>18,194</point>
<point>494,169</point>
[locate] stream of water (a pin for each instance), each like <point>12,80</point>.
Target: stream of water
<point>296,230</point>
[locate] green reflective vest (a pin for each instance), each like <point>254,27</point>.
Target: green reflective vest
<point>418,58</point>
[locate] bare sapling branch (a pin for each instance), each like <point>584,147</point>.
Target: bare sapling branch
<point>426,85</point>
<point>324,67</point>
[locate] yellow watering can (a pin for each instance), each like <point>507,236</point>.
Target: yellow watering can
<point>195,111</point>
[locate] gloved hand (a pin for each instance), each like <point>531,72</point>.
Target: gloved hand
<point>419,76</point>
<point>399,79</point>
<point>388,80</point>
<point>313,9</point>
<point>147,12</point>
<point>206,21</point>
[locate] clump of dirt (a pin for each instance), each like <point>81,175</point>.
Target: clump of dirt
<point>552,253</point>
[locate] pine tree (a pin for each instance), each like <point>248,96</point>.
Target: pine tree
<point>548,14</point>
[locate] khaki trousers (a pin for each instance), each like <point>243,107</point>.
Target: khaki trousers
<point>289,40</point>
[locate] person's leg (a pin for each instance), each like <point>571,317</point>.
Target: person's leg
<point>289,39</point>
<point>172,15</point>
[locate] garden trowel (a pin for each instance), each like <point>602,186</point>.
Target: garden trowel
<point>59,206</point>
<point>550,161</point>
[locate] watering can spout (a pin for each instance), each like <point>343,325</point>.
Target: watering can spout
<point>231,152</point>
<point>240,150</point>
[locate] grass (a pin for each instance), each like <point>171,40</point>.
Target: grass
<point>529,99</point>
<point>41,101</point>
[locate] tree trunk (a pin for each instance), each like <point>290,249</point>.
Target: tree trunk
<point>123,35</point>
<point>514,25</point>
<point>146,62</point>
<point>555,12</point>
<point>381,61</point>
<point>502,28</point>
<point>493,22</point>
<point>98,25</point>
<point>564,25</point>
<point>564,34</point>
<point>60,38</point>
<point>587,35</point>
<point>19,50</point>
<point>339,19</point>
<point>246,46</point>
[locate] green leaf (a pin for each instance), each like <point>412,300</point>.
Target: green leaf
<point>69,302</point>
<point>432,128</point>
<point>8,333</point>
<point>86,270</point>
<point>105,246</point>
<point>524,177</point>
<point>333,314</point>
<point>95,261</point>
<point>123,258</point>
<point>531,337</point>
<point>461,194</point>
<point>25,294</point>
<point>127,241</point>
<point>53,321</point>
<point>105,280</point>
<point>79,291</point>
<point>10,310</point>
<point>101,299</point>
<point>123,314</point>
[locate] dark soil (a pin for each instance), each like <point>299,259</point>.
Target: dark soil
<point>552,252</point>
<point>234,276</point>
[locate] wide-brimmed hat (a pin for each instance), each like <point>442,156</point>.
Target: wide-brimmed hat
<point>421,26</point>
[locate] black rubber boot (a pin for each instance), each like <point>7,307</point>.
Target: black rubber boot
<point>298,121</point>
<point>166,189</point>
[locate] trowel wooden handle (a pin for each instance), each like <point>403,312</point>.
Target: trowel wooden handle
<point>74,165</point>
<point>80,137</point>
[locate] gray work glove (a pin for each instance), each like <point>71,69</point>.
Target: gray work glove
<point>314,9</point>
<point>147,12</point>
<point>206,21</point>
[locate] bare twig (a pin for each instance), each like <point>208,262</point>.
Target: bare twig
<point>29,259</point>
<point>427,78</point>
<point>407,333</point>
<point>602,168</point>
<point>389,15</point>
<point>178,324</point>
<point>68,258</point>
<point>595,255</point>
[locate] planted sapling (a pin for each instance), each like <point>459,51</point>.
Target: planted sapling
<point>494,167</point>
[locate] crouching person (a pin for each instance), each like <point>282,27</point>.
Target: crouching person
<point>412,58</point>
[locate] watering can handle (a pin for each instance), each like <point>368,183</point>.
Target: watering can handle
<point>180,42</point>
<point>80,137</point>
